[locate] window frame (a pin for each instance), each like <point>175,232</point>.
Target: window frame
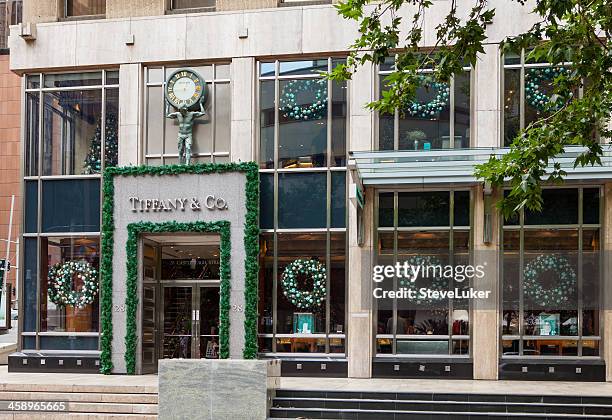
<point>396,229</point>
<point>39,178</point>
<point>521,66</point>
<point>521,227</point>
<point>328,230</point>
<point>67,16</point>
<point>146,157</point>
<point>380,75</point>
<point>197,9</point>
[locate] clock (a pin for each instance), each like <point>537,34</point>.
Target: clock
<point>185,89</point>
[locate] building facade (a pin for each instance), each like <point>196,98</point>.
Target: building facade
<point>10,135</point>
<point>165,252</point>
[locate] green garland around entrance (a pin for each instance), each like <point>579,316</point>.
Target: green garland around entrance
<point>435,106</point>
<point>304,298</point>
<point>60,281</point>
<point>131,303</point>
<point>437,283</point>
<point>251,245</point>
<point>314,111</point>
<point>535,97</point>
<point>563,290</point>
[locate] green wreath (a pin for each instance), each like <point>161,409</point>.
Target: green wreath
<point>437,283</point>
<point>435,106</point>
<point>60,283</point>
<point>315,111</point>
<point>304,298</point>
<point>535,97</point>
<point>558,295</point>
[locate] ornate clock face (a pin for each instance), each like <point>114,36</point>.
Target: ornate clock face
<point>185,89</point>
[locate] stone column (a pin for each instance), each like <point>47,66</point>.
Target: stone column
<point>242,112</point>
<point>39,11</point>
<point>486,121</point>
<point>607,267</point>
<point>130,87</point>
<point>360,321</point>
<point>133,8</point>
<point>485,314</point>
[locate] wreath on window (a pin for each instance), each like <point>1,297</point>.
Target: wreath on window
<point>313,111</point>
<point>60,283</point>
<point>435,106</point>
<point>536,98</point>
<point>437,282</point>
<point>304,298</point>
<point>558,295</point>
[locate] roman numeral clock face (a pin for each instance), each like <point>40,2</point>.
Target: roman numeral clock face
<point>185,89</point>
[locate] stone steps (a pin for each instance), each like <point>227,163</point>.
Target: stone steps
<point>83,402</point>
<point>380,405</point>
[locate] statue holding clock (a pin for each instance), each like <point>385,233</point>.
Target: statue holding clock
<point>186,92</point>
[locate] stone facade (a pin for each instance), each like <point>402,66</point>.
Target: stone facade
<point>230,186</point>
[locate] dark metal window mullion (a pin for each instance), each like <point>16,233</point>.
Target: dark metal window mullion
<point>163,99</point>
<point>328,209</point>
<point>580,269</point>
<point>522,92</point>
<point>275,212</point>
<point>395,241</point>
<point>39,164</point>
<point>521,317</point>
<point>451,259</point>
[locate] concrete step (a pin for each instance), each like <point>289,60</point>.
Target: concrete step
<point>72,388</point>
<point>91,397</point>
<point>395,406</point>
<point>74,416</point>
<point>117,404</point>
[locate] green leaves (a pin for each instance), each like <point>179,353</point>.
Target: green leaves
<point>572,34</point>
<point>251,263</point>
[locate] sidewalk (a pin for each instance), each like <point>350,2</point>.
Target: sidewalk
<point>442,386</point>
<point>69,382</point>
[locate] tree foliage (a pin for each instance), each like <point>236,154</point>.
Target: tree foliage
<point>566,31</point>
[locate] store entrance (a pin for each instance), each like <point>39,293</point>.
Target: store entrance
<point>180,299</point>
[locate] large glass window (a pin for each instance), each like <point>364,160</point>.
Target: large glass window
<point>206,5</point>
<point>77,123</point>
<point>527,92</point>
<point>211,132</point>
<point>10,14</point>
<point>75,134</point>
<point>85,7</point>
<point>303,208</point>
<point>437,118</point>
<point>430,229</point>
<point>551,277</point>
<point>302,115</point>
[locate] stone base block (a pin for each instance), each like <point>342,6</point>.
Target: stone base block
<point>216,389</point>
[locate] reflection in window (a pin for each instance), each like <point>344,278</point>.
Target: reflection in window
<point>71,128</point>
<point>528,88</point>
<point>417,227</point>
<point>193,4</point>
<point>75,134</point>
<point>437,118</point>
<point>300,326</point>
<point>211,132</point>
<point>308,111</point>
<point>302,156</point>
<point>56,252</point>
<point>85,7</point>
<point>550,274</point>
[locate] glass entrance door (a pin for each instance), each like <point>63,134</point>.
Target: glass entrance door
<point>190,322</point>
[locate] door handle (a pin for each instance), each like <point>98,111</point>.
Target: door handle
<point>197,313</point>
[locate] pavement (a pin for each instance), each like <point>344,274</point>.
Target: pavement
<point>450,386</point>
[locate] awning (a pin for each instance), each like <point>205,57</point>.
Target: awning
<point>455,166</point>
